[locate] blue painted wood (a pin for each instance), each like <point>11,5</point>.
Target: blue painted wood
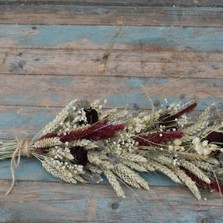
<point>197,39</point>
<point>59,90</point>
<point>52,202</point>
<point>31,169</point>
<point>29,102</point>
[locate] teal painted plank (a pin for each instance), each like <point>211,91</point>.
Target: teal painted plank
<point>30,169</point>
<point>197,39</point>
<point>43,90</point>
<point>53,202</point>
<point>142,61</point>
<point>14,120</point>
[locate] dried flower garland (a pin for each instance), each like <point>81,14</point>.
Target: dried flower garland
<point>83,143</point>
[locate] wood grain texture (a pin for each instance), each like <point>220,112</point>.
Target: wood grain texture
<point>111,37</point>
<point>52,51</point>
<point>43,90</point>
<point>141,62</point>
<point>54,202</point>
<point>111,15</point>
<point>158,3</point>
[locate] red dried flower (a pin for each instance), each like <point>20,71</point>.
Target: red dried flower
<point>157,138</point>
<point>98,131</point>
<point>170,119</point>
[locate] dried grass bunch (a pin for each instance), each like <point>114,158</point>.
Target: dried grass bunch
<point>83,143</point>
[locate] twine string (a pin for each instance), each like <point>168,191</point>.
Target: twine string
<point>22,149</point>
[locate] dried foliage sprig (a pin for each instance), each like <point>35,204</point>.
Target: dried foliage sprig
<point>83,143</point>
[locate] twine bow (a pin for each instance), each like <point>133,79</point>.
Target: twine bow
<point>22,149</point>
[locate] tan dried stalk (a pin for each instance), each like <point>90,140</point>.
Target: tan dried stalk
<point>134,157</point>
<point>130,177</point>
<point>114,183</point>
<point>87,144</point>
<point>204,165</point>
<point>212,128</point>
<point>188,182</point>
<point>94,169</point>
<point>43,143</point>
<point>64,175</point>
<point>79,178</point>
<point>93,157</point>
<point>195,170</point>
<point>134,166</point>
<point>165,170</point>
<point>197,127</point>
<point>58,120</point>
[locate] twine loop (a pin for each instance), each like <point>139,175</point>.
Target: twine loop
<point>22,149</point>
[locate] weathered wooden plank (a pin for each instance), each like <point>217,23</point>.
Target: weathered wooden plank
<point>43,90</point>
<point>110,37</point>
<point>158,3</point>
<point>15,120</point>
<point>30,169</point>
<point>54,202</point>
<point>111,15</point>
<point>139,62</point>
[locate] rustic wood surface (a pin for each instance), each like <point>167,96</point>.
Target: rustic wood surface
<point>52,51</point>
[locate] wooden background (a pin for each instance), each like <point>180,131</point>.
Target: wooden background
<point>53,51</point>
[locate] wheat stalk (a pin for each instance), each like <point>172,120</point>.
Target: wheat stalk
<point>130,177</point>
<point>165,170</point>
<point>188,182</point>
<point>53,125</point>
<point>114,183</point>
<point>64,175</point>
<point>197,127</point>
<point>134,166</point>
<point>43,143</point>
<point>134,157</point>
<point>204,165</point>
<point>195,170</point>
